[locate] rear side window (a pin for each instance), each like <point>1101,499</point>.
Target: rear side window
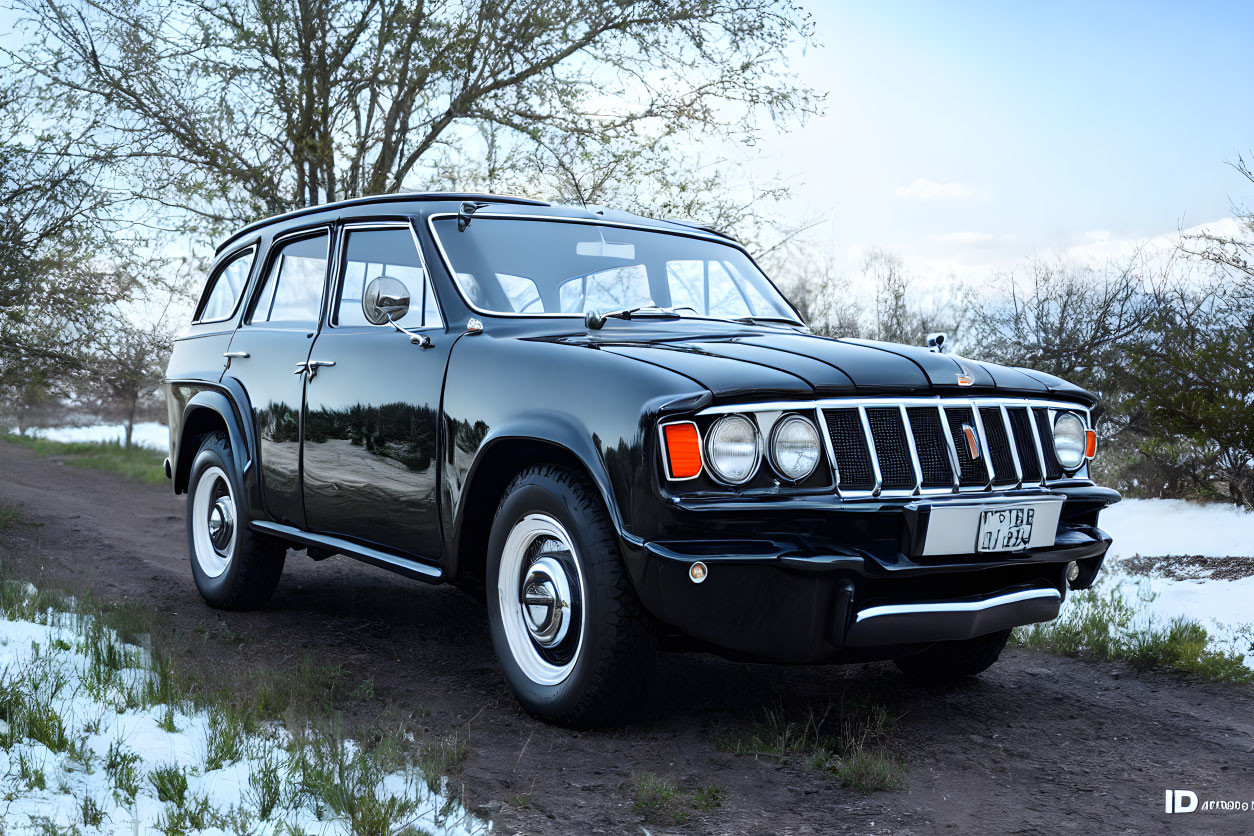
<point>293,289</point>
<point>371,253</point>
<point>225,287</point>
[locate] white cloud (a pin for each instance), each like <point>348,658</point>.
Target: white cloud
<point>931,190</point>
<point>1100,246</point>
<point>972,239</point>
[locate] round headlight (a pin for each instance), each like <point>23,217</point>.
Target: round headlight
<point>795,447</point>
<point>1069,440</point>
<point>732,449</point>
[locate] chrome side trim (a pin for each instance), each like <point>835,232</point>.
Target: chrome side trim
<point>404,565</point>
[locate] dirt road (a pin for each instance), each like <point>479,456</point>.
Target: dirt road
<point>1039,744</point>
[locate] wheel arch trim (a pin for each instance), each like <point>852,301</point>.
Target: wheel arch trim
<point>537,430</point>
<point>217,402</point>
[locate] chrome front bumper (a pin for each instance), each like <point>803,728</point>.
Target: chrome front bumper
<point>951,620</point>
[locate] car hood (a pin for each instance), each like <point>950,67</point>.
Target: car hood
<point>737,362</point>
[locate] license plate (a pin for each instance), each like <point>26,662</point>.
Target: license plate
<point>1006,529</point>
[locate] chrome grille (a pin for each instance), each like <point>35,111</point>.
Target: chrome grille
<point>1053,470</point>
<point>933,450</point>
<point>1025,443</point>
<point>920,445</point>
<point>853,459</point>
<point>971,470</point>
<point>892,451</point>
<point>998,446</point>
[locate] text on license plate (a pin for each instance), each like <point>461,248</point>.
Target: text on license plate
<point>1006,529</point>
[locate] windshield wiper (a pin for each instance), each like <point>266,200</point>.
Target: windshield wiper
<point>754,320</point>
<point>596,319</point>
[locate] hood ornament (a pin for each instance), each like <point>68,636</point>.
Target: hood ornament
<point>965,379</point>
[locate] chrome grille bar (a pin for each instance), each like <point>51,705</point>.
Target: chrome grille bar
<point>875,457</point>
<point>911,451</point>
<point>914,452</point>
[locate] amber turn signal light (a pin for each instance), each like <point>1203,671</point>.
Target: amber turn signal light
<point>1090,444</point>
<point>683,450</point>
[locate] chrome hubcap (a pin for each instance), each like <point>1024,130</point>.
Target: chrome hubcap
<point>222,522</point>
<point>213,516</point>
<point>540,593</point>
<point>545,600</point>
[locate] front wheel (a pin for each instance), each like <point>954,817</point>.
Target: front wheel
<point>574,641</point>
<point>954,660</point>
<point>235,568</point>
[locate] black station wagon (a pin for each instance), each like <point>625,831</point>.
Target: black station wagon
<point>621,431</point>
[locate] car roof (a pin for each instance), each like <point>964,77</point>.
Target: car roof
<point>362,206</point>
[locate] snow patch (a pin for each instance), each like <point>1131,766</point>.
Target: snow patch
<point>1175,527</point>
<point>146,434</point>
<point>48,664</point>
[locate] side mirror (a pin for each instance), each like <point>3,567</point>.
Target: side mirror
<point>386,300</point>
<point>936,343</point>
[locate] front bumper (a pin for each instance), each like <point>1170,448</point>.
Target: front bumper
<point>854,584</point>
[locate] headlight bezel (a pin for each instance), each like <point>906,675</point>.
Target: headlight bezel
<point>772,448</point>
<point>1080,438</point>
<point>711,459</point>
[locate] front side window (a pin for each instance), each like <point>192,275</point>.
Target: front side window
<point>225,287</point>
<point>371,253</point>
<point>516,265</point>
<point>293,289</point>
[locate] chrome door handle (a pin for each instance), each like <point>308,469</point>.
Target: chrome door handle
<point>234,355</point>
<point>313,365</point>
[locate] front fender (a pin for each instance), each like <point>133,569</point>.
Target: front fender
<point>547,402</point>
<point>561,430</point>
<point>198,407</point>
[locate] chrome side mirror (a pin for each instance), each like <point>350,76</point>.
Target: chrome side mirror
<point>386,300</point>
<point>936,343</point>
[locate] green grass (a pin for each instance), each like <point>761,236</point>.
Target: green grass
<point>1109,627</point>
<point>849,741</point>
<point>139,463</point>
<point>661,801</point>
<point>9,517</point>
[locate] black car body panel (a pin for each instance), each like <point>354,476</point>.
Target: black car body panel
<point>397,453</point>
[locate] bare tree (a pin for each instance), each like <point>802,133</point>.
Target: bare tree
<point>229,110</point>
<point>1233,255</point>
<point>57,264</point>
<point>1073,321</point>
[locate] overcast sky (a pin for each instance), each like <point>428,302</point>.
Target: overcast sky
<point>974,134</point>
<point>969,135</point>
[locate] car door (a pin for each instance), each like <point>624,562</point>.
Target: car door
<point>268,356</point>
<point>372,418</point>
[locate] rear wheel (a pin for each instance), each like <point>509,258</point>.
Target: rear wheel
<point>234,567</point>
<point>954,660</point>
<point>570,633</point>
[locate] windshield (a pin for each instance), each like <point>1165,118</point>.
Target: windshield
<point>556,267</point>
